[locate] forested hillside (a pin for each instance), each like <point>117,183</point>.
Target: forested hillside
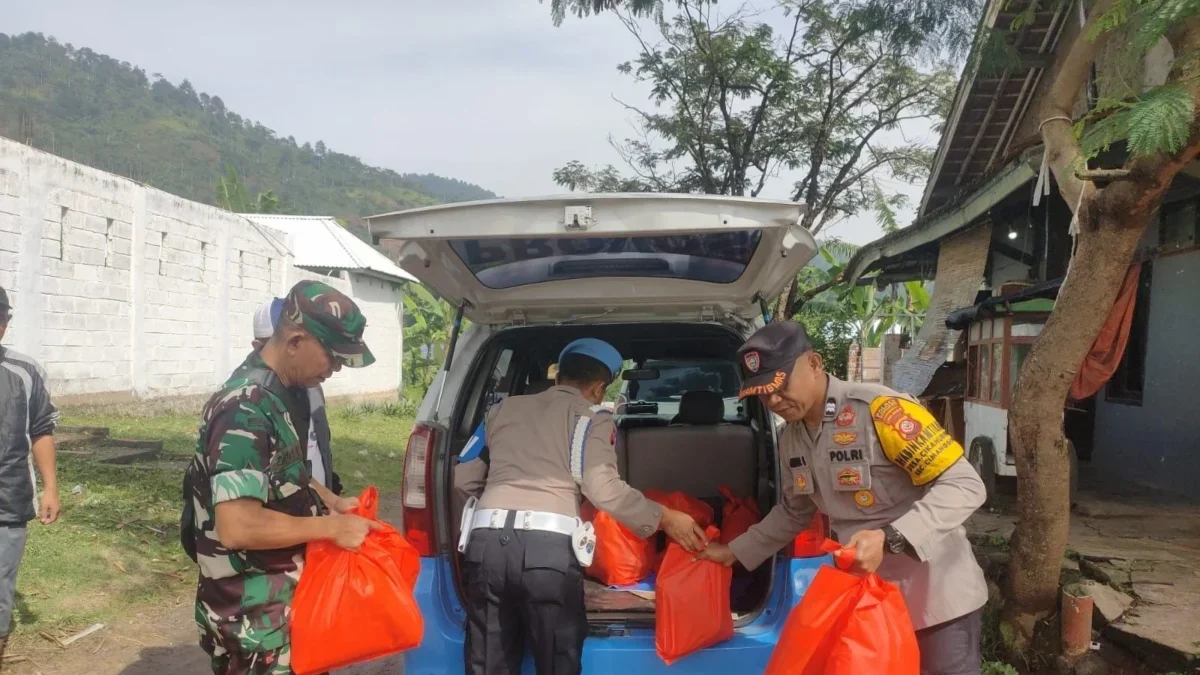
<point>96,110</point>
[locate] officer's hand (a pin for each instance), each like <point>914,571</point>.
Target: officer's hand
<point>682,528</point>
<point>868,550</point>
<point>350,531</point>
<point>718,553</point>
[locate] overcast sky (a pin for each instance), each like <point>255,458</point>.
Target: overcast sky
<point>487,91</point>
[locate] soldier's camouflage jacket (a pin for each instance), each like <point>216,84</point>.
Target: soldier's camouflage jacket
<point>248,448</point>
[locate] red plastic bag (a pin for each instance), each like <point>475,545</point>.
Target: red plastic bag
<point>738,514</point>
<point>622,558</point>
<point>701,512</point>
<point>847,625</point>
<point>354,606</point>
<point>810,542</point>
<point>691,603</point>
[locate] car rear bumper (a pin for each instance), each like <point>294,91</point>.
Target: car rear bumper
<point>441,650</point>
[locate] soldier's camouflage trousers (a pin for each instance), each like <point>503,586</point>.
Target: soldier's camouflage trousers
<point>257,645</point>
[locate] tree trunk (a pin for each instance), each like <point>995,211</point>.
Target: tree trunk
<point>1105,251</point>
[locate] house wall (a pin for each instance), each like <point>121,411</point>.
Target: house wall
<point>1159,442</point>
<point>120,289</point>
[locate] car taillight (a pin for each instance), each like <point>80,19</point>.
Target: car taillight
<point>418,479</point>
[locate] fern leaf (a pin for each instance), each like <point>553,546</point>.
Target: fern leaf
<point>1161,122</point>
<point>1112,19</point>
<point>1157,18</point>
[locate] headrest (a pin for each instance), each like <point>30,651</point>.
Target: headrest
<point>700,407</point>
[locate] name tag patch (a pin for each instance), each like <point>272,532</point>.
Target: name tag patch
<point>855,455</point>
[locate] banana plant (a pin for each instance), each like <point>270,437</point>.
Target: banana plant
<point>427,321</point>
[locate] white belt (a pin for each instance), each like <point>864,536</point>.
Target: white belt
<point>525,520</point>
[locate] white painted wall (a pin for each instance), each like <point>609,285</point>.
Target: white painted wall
<point>121,288</point>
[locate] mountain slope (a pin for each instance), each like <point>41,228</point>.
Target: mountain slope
<point>98,111</point>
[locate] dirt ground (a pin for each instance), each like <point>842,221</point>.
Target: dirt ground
<point>1146,544</point>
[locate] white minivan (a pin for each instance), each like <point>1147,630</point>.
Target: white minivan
<point>668,279</point>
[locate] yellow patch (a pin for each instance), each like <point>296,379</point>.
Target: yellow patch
<point>801,481</point>
<point>864,498</point>
<point>912,439</point>
<point>845,437</point>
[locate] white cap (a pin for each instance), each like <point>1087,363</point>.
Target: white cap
<point>263,326</point>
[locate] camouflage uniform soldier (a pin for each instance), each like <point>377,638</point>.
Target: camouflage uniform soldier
<point>250,505</point>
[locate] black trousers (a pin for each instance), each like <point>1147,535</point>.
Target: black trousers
<point>523,587</point>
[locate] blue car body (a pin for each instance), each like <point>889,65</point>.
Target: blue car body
<point>441,651</point>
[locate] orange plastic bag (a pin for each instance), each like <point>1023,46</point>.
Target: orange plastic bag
<point>810,542</point>
<point>622,558</point>
<point>354,606</point>
<point>701,512</point>
<point>847,625</point>
<point>738,514</point>
<point>691,603</point>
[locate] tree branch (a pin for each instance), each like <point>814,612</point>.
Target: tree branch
<point>1062,150</point>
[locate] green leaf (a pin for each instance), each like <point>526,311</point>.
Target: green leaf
<point>1115,17</point>
<point>1157,18</point>
<point>1161,122</point>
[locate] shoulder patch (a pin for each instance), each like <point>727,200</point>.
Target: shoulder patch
<point>600,410</point>
<point>912,439</point>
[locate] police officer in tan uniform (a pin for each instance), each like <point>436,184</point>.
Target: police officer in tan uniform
<point>894,484</point>
<point>525,546</point>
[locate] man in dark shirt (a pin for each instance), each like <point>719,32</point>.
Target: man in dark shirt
<point>27,420</point>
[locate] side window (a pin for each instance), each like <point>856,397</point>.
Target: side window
<point>489,387</point>
<point>499,383</point>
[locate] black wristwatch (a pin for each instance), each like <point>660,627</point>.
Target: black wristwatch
<point>896,543</point>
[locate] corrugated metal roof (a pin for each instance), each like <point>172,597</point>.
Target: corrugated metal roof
<point>321,242</point>
<point>988,107</point>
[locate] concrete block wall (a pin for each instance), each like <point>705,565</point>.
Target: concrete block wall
<point>118,288</point>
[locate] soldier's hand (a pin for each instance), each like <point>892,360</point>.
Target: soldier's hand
<point>682,529</point>
<point>718,553</point>
<point>350,531</point>
<point>345,504</point>
<point>868,550</point>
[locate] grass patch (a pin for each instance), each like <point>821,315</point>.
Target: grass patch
<point>115,548</point>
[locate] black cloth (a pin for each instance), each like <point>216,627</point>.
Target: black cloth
<point>952,648</point>
<point>523,587</point>
<point>26,414</point>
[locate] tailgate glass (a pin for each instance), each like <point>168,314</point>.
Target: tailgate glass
<point>720,257</point>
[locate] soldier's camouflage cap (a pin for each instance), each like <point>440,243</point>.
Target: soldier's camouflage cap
<point>332,318</point>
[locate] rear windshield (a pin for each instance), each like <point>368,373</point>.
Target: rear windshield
<point>675,378</point>
<point>719,258</point>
